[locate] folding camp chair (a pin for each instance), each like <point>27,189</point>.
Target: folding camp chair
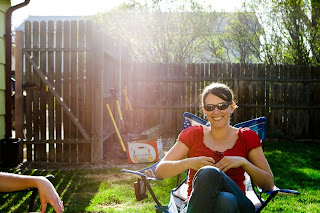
<point>33,195</point>
<point>179,194</point>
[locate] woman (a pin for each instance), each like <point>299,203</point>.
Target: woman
<point>217,157</point>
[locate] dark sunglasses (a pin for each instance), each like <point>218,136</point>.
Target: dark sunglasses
<point>221,106</point>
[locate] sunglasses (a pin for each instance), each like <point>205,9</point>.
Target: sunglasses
<point>221,106</point>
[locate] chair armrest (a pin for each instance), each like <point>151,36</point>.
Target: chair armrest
<point>281,192</point>
<point>49,177</point>
<point>140,174</point>
<point>148,172</point>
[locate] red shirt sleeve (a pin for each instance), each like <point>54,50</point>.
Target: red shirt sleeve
<point>188,136</point>
<point>251,138</point>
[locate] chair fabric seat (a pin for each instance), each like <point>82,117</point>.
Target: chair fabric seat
<point>254,199</point>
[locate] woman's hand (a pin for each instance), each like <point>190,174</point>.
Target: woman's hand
<point>48,194</point>
<point>196,163</point>
<point>229,162</point>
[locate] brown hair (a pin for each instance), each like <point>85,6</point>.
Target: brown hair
<point>218,89</point>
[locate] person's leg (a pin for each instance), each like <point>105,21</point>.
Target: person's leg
<point>208,183</point>
<point>226,202</point>
<point>244,204</point>
<point>206,187</point>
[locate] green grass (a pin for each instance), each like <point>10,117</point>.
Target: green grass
<point>295,166</point>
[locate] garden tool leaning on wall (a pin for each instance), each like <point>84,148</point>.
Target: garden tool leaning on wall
<point>122,134</point>
<point>116,128</point>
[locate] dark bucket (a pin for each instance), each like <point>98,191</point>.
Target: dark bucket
<point>11,152</point>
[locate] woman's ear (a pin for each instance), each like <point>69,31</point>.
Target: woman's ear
<point>233,106</point>
<point>204,111</point>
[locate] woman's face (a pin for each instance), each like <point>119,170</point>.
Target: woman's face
<point>218,118</point>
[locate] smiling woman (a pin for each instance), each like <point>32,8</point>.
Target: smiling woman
<point>217,158</point>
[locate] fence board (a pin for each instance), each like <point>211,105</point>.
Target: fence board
<point>43,92</point>
<point>58,86</point>
<point>98,94</point>
<point>182,91</point>
<point>81,88</point>
<point>261,90</point>
<point>235,76</point>
<point>241,93</point>
<point>189,88</point>
<point>128,87</point>
<point>88,86</point>
<point>163,120</point>
<point>286,95</point>
<point>66,90</point>
<point>198,89</point>
<point>29,97</point>
<point>74,88</point>
<point>46,65</point>
<point>36,80</point>
<point>50,75</point>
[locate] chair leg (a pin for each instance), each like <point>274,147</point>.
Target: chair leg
<point>264,204</point>
<point>32,199</point>
<point>178,180</point>
<point>150,190</point>
<point>140,190</point>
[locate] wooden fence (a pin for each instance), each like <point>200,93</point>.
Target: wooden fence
<point>67,70</point>
<point>71,71</point>
<point>287,95</point>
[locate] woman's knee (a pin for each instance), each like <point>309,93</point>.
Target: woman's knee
<point>226,202</point>
<point>209,175</point>
<point>209,172</point>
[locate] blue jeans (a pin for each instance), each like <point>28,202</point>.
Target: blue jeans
<point>214,191</point>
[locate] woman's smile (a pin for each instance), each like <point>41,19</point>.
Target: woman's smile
<point>217,118</point>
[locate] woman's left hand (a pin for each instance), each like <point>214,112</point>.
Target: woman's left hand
<point>229,162</point>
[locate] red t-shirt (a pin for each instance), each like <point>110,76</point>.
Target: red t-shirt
<point>247,140</point>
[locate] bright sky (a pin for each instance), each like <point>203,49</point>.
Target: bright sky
<point>87,7</point>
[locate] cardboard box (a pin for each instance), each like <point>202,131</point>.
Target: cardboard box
<point>145,151</point>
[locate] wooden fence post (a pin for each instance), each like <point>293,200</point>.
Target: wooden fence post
<point>97,96</point>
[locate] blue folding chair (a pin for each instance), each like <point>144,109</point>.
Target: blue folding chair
<point>179,194</point>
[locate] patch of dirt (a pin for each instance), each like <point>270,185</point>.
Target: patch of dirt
<point>115,206</point>
<point>110,177</point>
<point>114,157</point>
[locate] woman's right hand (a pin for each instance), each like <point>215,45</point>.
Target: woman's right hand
<point>48,194</point>
<point>196,163</point>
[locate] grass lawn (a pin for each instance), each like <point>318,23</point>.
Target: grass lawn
<point>295,166</point>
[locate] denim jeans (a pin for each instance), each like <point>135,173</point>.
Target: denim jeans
<point>214,191</point>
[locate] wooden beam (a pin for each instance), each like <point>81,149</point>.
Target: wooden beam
<point>153,132</point>
<point>97,98</point>
<point>53,141</point>
<point>52,89</point>
<point>18,112</point>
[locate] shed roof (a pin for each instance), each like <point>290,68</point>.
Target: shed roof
<point>47,19</point>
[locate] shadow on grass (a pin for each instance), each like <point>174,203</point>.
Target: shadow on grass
<point>69,184</point>
<point>294,164</point>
